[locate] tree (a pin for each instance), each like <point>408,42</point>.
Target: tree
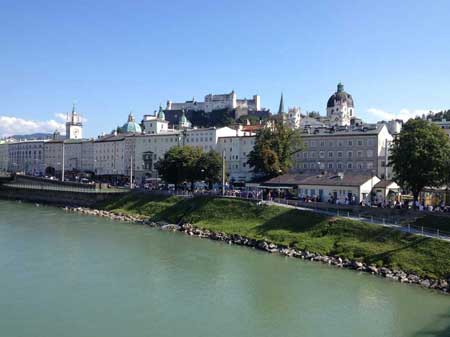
<point>210,167</point>
<point>179,165</point>
<point>274,149</point>
<point>419,156</point>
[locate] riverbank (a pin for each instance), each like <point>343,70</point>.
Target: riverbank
<point>337,241</point>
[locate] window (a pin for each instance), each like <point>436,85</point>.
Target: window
<point>330,165</point>
<point>349,165</point>
<point>339,143</point>
<point>322,143</point>
<point>322,154</point>
<point>330,154</point>
<point>360,142</point>
<point>350,143</point>
<point>369,153</point>
<point>359,154</point>
<point>360,166</point>
<point>339,154</point>
<point>339,166</point>
<point>370,165</point>
<point>350,154</point>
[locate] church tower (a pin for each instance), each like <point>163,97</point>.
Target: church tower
<point>74,127</point>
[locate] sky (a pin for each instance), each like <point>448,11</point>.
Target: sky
<point>112,57</point>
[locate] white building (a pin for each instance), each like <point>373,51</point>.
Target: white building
<point>78,156</point>
<point>235,150</point>
<point>155,124</point>
<point>218,102</point>
<point>340,107</point>
<point>149,148</point>
<point>112,155</point>
<point>344,149</point>
<point>26,156</point>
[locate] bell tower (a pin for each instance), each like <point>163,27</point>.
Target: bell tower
<point>74,127</point>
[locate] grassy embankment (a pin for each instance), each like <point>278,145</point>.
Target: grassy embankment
<point>304,230</point>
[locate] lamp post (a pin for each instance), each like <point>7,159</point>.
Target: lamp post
<point>62,165</point>
<point>223,172</point>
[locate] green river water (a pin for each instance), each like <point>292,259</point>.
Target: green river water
<point>68,275</point>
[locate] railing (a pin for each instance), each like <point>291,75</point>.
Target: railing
<point>401,223</point>
<point>74,189</point>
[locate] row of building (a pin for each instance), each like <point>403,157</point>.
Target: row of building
<point>336,143</point>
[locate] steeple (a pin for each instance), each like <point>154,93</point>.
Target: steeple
<point>281,108</point>
<point>131,117</point>
<point>161,114</point>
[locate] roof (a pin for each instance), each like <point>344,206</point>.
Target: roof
<point>336,180</point>
<point>286,179</point>
<point>384,183</point>
<point>290,179</point>
<point>340,96</point>
<point>366,129</point>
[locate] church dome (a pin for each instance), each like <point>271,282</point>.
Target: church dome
<point>340,97</point>
<point>131,126</point>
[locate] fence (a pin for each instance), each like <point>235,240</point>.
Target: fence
<point>400,222</point>
<point>74,189</point>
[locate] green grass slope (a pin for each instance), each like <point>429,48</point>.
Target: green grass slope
<point>303,230</point>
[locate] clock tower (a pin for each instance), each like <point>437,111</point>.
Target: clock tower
<point>74,127</point>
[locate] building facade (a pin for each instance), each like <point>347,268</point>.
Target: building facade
<point>149,148</point>
<point>235,151</point>
<point>345,150</point>
<point>26,156</point>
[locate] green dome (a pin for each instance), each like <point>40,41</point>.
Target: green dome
<point>131,126</point>
<point>161,114</point>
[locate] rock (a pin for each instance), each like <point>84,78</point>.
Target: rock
<point>170,227</point>
<point>372,269</point>
<point>443,284</point>
<point>425,283</point>
<point>357,265</point>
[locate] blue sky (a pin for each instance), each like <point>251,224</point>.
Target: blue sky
<point>115,56</point>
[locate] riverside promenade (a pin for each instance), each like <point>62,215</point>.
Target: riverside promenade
<point>436,234</point>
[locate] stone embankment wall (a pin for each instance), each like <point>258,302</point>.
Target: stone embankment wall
<point>55,197</point>
<point>441,285</point>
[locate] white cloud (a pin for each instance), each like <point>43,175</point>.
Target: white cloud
<point>18,126</point>
<point>63,117</point>
<point>404,114</point>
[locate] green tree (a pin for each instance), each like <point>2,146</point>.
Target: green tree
<point>274,149</point>
<point>179,165</point>
<point>420,156</point>
<point>210,167</point>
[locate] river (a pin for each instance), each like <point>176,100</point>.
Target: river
<point>68,275</point>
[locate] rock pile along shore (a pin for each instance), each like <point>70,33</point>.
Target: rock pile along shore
<point>189,229</point>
